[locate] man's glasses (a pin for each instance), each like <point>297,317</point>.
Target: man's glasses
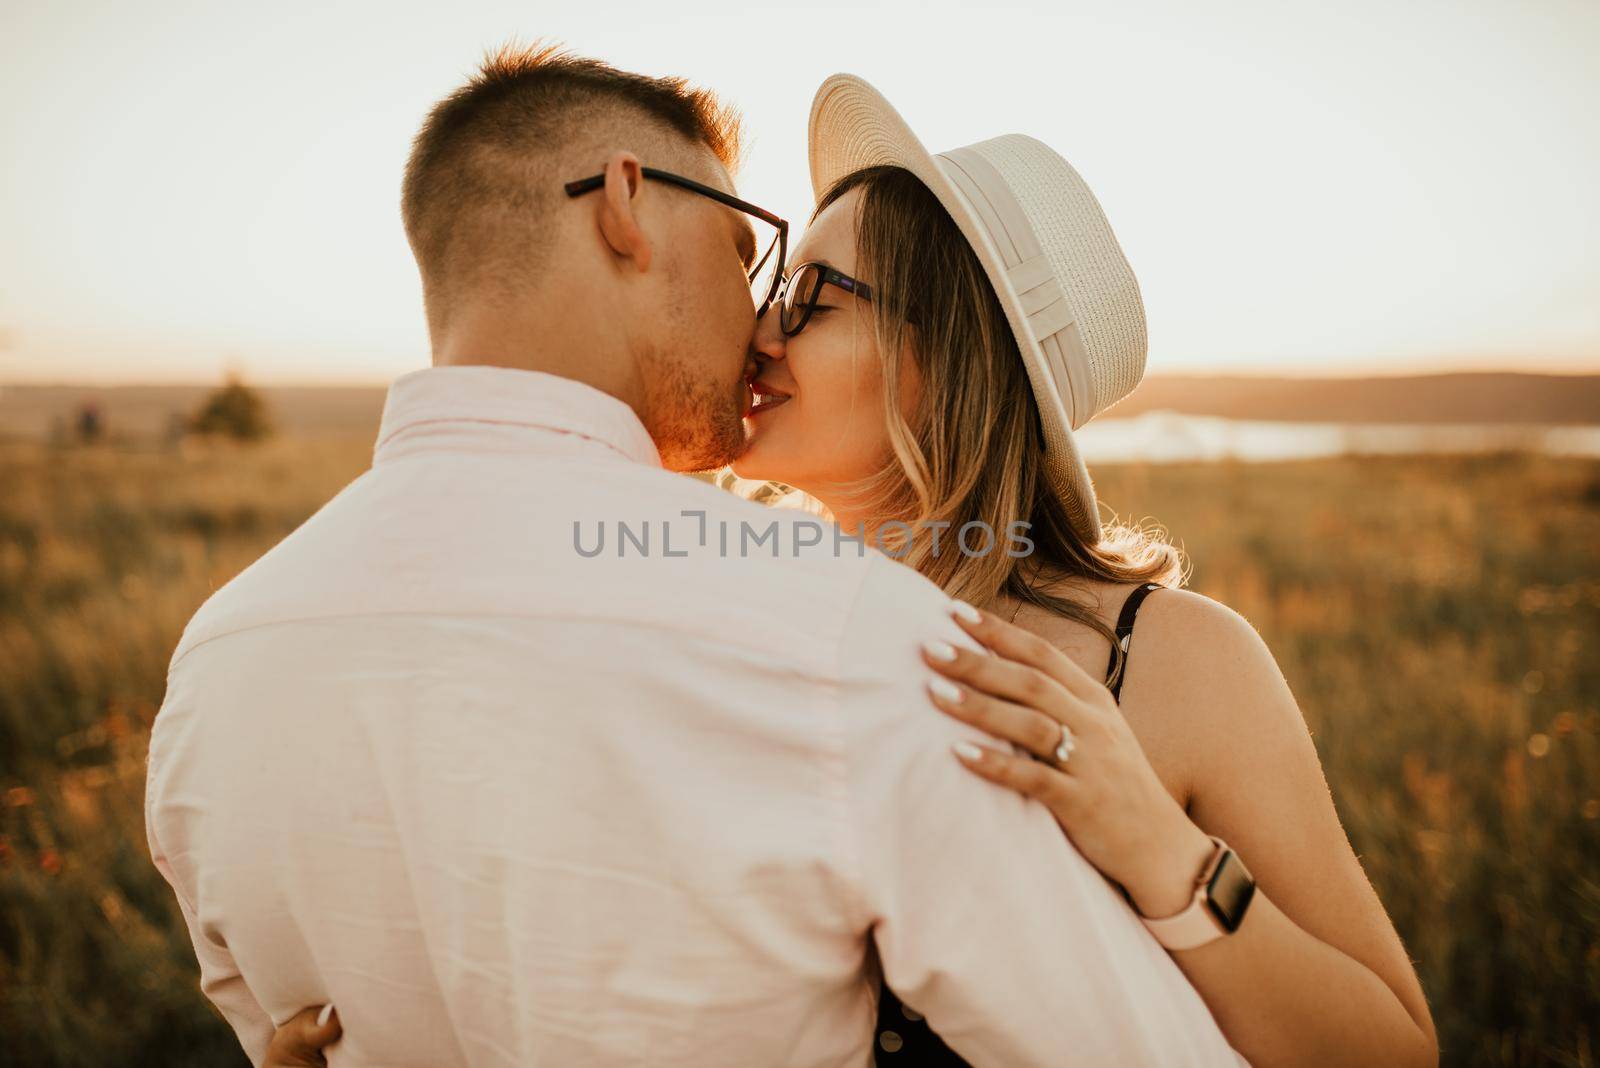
<point>798,295</point>
<point>766,266</point>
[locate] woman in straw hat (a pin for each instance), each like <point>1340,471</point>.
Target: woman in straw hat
<point>945,325</point>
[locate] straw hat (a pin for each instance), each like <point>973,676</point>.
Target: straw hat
<point>1045,243</point>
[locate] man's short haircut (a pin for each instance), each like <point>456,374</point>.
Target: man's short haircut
<point>482,182</point>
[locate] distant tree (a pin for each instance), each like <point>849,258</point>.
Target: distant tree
<point>90,425</point>
<point>234,411</point>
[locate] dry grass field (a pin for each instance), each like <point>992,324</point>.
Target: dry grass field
<point>1436,617</point>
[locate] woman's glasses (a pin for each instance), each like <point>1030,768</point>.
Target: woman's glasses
<point>765,268</point>
<point>798,294</point>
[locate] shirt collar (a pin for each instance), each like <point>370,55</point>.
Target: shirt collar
<point>499,403</point>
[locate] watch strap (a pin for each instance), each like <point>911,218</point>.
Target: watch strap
<point>1195,925</point>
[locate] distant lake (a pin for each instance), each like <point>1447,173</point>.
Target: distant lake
<point>1170,437</point>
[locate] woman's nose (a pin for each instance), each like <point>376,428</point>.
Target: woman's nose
<point>769,340</point>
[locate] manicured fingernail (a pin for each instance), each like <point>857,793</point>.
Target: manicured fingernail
<point>939,650</point>
<point>968,750</point>
<point>322,1017</point>
<point>945,689</point>
<point>963,610</point>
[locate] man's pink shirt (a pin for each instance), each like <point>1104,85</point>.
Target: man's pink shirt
<point>508,802</point>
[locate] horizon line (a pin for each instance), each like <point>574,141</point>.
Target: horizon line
<point>1234,373</point>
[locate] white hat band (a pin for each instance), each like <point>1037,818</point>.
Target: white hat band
<point>1050,317</point>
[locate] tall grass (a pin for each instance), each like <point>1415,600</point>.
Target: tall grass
<point>1436,617</point>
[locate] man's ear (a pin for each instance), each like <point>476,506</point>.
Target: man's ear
<point>619,224</point>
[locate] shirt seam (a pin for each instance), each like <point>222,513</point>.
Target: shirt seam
<point>672,628</point>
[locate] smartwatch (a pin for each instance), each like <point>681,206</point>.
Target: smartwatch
<point>1222,894</point>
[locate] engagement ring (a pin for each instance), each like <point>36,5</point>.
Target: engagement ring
<point>1066,746</point>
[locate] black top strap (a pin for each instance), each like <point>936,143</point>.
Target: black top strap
<point>1130,609</point>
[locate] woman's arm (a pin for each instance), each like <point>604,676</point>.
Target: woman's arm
<point>1315,974</point>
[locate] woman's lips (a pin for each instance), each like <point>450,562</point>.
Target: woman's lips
<point>763,398</point>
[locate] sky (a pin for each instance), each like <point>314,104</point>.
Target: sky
<point>195,189</point>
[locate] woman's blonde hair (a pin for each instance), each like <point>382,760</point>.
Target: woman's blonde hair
<point>972,451</point>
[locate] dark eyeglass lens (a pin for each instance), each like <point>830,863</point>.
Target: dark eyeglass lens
<point>763,273</point>
<point>802,288</point>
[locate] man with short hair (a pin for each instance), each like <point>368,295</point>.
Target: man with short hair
<point>506,801</point>
<point>514,275</point>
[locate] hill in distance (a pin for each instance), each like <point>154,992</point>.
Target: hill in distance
<point>1466,397</point>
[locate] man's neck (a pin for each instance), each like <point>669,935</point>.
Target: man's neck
<point>599,362</point>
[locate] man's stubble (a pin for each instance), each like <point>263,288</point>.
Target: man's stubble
<point>697,420</point>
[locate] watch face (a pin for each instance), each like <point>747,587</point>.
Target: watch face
<point>1229,892</point>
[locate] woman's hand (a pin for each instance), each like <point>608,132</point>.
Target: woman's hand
<point>300,1041</point>
<point>1106,795</point>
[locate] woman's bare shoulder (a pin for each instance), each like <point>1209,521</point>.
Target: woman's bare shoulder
<point>1195,633</point>
<point>1192,662</point>
<point>1200,657</point>
<point>1181,640</point>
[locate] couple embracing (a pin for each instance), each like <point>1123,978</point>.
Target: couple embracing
<point>434,787</point>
